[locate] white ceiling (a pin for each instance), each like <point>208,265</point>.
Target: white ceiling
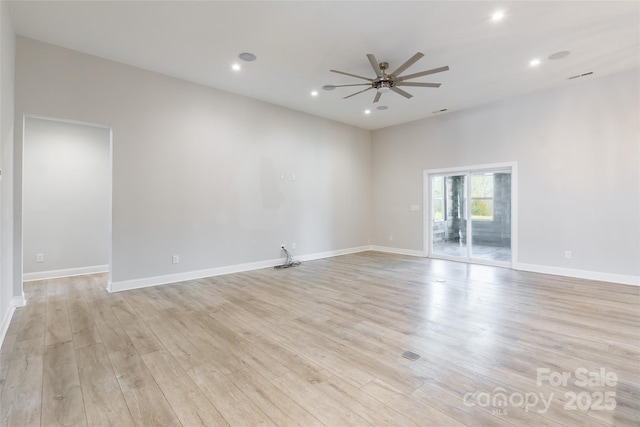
<point>298,42</point>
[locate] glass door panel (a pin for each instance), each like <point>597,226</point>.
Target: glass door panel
<point>490,195</point>
<point>449,215</point>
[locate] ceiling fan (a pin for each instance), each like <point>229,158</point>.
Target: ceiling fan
<point>385,82</point>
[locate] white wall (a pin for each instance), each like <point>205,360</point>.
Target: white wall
<point>66,191</point>
<point>196,171</point>
<point>578,155</point>
<point>7,69</point>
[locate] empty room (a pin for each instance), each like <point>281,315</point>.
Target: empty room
<point>319,213</point>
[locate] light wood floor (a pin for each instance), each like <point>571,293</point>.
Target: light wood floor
<point>322,344</point>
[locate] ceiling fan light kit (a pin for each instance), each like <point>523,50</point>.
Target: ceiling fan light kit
<point>385,82</point>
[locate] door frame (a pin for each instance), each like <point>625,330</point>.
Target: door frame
<point>20,234</point>
<point>427,243</point>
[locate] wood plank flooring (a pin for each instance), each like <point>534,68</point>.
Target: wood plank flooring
<point>322,344</point>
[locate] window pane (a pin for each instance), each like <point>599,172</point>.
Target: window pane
<point>437,210</point>
<point>482,186</point>
<point>482,196</point>
<point>482,209</point>
<point>491,218</point>
<point>449,226</point>
<point>437,187</point>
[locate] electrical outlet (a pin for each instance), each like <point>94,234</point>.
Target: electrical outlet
<point>39,257</point>
<point>293,246</point>
<point>567,254</point>
<point>175,259</point>
<point>391,238</point>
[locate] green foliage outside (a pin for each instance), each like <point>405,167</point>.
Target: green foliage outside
<point>482,188</point>
<point>438,215</point>
<point>438,190</point>
<point>479,208</point>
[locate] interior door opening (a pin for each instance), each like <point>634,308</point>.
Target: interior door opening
<point>66,198</point>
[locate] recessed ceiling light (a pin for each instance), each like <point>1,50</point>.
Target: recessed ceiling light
<point>367,111</point>
<point>235,67</point>
<point>246,56</point>
<point>534,62</point>
<point>497,16</point>
<point>314,93</point>
<point>381,107</point>
<point>559,55</point>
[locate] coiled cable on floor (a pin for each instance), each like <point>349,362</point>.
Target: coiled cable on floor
<point>289,262</point>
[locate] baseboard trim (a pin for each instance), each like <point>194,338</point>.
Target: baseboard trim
<point>579,274</point>
<point>145,282</point>
<point>67,272</point>
<point>13,304</point>
<point>536,268</point>
<point>238,268</point>
<point>398,251</point>
<point>18,301</point>
<point>329,254</point>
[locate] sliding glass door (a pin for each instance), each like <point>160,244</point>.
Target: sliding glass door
<point>470,215</point>
<point>449,225</point>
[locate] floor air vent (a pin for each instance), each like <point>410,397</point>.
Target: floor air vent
<point>410,355</point>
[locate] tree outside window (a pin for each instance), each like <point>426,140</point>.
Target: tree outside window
<point>437,199</point>
<point>482,197</point>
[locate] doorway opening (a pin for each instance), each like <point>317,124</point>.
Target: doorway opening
<point>470,214</point>
<point>66,198</point>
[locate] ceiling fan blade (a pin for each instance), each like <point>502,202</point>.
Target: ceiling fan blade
<point>423,73</point>
<point>355,84</point>
<point>418,84</point>
<point>354,94</point>
<point>401,92</point>
<point>374,64</point>
<point>407,64</point>
<point>352,75</point>
<point>377,98</point>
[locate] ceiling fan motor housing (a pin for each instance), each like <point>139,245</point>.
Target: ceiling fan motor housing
<point>385,82</point>
<point>383,85</point>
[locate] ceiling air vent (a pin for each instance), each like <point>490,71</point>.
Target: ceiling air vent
<point>581,75</point>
